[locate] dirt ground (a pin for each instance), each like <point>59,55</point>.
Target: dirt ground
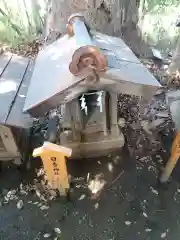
<point>132,204</point>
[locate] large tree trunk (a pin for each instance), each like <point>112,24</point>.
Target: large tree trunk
<point>112,17</point>
<point>174,67</point>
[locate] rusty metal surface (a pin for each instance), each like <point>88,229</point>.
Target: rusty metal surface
<point>87,58</point>
<point>80,31</point>
<point>71,20</point>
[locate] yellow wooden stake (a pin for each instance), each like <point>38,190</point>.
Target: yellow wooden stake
<point>54,161</point>
<point>175,154</point>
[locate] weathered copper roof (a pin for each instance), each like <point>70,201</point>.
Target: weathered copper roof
<point>61,68</point>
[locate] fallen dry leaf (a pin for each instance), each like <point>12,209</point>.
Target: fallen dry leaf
<point>148,230</point>
<point>163,235</point>
<point>20,204</point>
<point>57,230</point>
<point>96,205</point>
<point>110,167</point>
<point>127,223</point>
<point>47,235</point>
<point>82,197</point>
<point>96,185</point>
<point>145,215</point>
<point>154,191</point>
<point>44,207</point>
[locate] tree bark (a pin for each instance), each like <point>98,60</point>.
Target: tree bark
<point>112,17</point>
<point>36,15</point>
<point>174,67</point>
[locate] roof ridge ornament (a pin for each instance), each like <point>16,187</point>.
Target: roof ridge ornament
<point>87,56</point>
